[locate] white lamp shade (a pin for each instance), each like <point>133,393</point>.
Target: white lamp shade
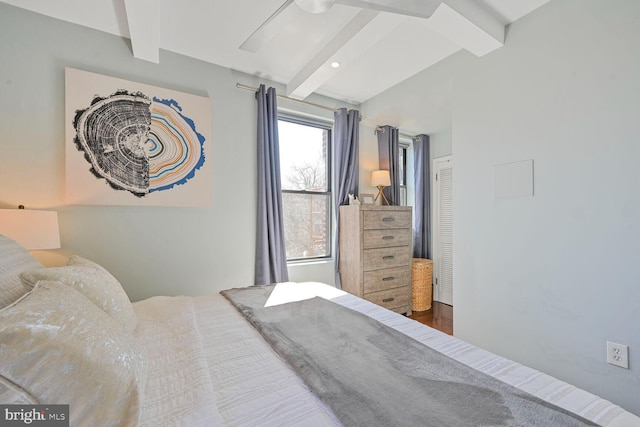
<point>380,178</point>
<point>35,230</point>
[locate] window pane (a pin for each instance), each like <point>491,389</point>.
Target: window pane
<point>306,220</point>
<point>304,172</point>
<point>403,196</point>
<point>303,156</point>
<point>402,162</point>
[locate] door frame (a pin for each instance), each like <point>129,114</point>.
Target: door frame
<point>435,221</point>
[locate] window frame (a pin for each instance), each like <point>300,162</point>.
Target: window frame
<point>328,126</point>
<point>403,153</point>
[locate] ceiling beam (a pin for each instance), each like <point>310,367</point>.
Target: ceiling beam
<point>464,22</point>
<point>317,71</point>
<point>271,27</point>
<point>415,8</point>
<point>469,25</point>
<point>143,18</point>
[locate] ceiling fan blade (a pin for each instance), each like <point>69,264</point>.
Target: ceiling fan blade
<point>417,8</point>
<point>272,26</point>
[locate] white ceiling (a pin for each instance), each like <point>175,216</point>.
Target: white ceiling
<point>376,50</point>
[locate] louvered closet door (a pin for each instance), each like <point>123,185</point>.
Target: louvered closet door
<point>443,290</point>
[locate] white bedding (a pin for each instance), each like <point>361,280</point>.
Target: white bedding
<point>179,390</point>
<point>208,366</point>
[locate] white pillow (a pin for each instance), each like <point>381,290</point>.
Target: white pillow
<point>14,259</point>
<point>60,348</point>
<point>94,282</point>
<point>13,394</point>
<point>78,260</point>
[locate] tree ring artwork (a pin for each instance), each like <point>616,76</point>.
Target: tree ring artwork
<point>133,144</point>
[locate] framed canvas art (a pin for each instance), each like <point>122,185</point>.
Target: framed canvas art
<point>129,143</point>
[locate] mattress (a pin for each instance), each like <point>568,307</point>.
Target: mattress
<point>208,366</point>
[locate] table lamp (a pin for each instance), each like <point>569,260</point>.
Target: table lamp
<point>381,179</point>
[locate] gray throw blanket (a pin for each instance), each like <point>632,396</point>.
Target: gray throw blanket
<point>372,375</point>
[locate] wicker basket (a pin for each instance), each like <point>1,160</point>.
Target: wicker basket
<point>421,284</point>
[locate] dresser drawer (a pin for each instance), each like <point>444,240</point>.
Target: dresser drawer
<point>376,259</point>
<point>388,278</point>
<point>386,238</point>
<point>386,219</point>
<point>392,298</point>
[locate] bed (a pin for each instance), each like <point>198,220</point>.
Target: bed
<point>69,335</point>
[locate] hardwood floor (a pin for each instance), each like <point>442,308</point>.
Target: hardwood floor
<point>439,316</point>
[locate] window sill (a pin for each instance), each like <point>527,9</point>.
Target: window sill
<point>302,262</point>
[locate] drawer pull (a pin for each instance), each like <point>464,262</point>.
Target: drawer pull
<point>386,279</point>
<point>388,219</point>
<point>388,257</point>
<point>387,237</point>
<point>388,299</point>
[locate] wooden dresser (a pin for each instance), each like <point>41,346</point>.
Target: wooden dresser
<point>375,254</point>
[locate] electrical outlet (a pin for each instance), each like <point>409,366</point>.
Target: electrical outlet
<point>618,354</point>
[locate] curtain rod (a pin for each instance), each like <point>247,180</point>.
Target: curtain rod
<point>313,104</point>
<point>402,134</point>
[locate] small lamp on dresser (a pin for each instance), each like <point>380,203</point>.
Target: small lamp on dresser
<point>381,179</point>
<point>33,229</point>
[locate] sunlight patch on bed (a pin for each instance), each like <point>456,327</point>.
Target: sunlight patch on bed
<point>293,291</point>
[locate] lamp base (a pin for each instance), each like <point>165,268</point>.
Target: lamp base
<point>380,193</point>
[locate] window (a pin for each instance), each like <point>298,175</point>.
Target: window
<point>402,161</point>
<point>306,197</point>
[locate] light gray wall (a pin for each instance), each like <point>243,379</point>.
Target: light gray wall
<point>152,250</point>
<point>419,105</point>
<point>547,280</point>
<point>369,160</point>
<point>441,143</point>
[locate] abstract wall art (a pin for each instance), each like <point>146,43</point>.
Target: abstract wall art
<point>128,143</point>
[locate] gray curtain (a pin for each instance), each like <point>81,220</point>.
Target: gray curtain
<point>271,258</point>
<point>388,155</point>
<point>346,169</point>
<point>422,208</point>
